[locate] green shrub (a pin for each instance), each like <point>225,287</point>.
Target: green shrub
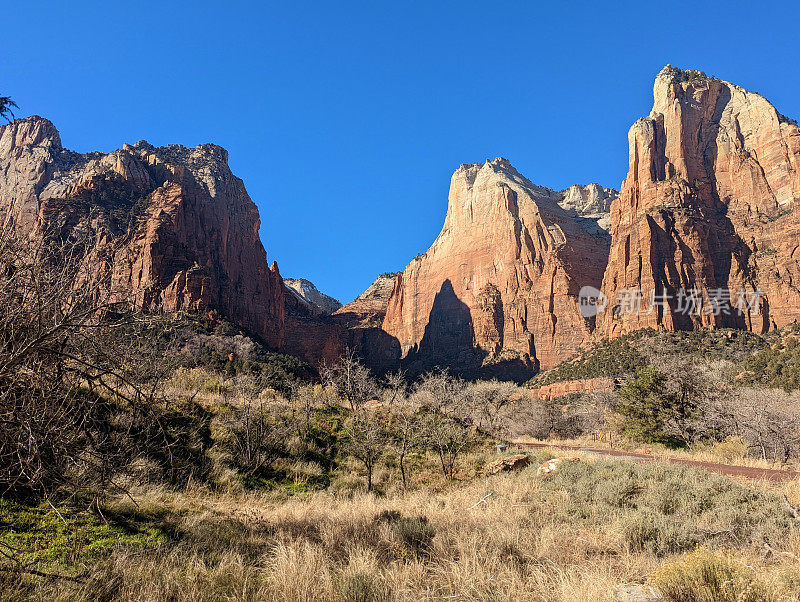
<point>415,533</point>
<point>655,533</point>
<point>663,509</point>
<point>648,406</point>
<point>606,359</point>
<point>775,366</point>
<point>215,384</point>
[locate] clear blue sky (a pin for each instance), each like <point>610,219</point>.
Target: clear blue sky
<point>346,119</point>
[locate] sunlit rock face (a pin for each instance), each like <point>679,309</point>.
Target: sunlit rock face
<point>592,202</point>
<point>317,301</point>
<point>179,227</point>
<point>499,285</point>
<point>709,204</point>
<point>369,308</point>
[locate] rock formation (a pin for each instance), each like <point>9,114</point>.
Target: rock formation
<point>709,207</point>
<point>318,302</point>
<point>705,225</point>
<point>591,201</point>
<point>180,227</point>
<point>369,308</point>
<point>499,285</point>
<point>363,318</point>
<point>311,335</point>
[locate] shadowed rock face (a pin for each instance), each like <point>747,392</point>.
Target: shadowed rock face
<point>363,318</point>
<point>180,227</point>
<point>500,282</point>
<point>710,202</point>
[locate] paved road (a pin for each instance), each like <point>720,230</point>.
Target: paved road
<point>726,469</point>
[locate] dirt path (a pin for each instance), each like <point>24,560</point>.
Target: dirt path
<point>767,474</point>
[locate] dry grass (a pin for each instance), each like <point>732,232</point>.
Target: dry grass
<point>722,453</point>
<point>571,537</point>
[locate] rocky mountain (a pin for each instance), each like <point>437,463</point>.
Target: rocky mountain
<point>592,202</point>
<point>179,227</point>
<point>704,232</point>
<point>306,291</point>
<point>369,308</point>
<point>498,288</point>
<point>707,215</point>
<point>363,319</point>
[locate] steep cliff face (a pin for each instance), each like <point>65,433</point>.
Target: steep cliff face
<point>500,282</point>
<point>179,226</point>
<point>709,205</point>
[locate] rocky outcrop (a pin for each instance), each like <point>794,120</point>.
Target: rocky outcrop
<point>363,317</point>
<point>178,226</point>
<point>507,463</point>
<point>708,214</point>
<point>369,308</point>
<point>582,386</point>
<point>592,202</point>
<point>498,287</point>
<point>306,292</point>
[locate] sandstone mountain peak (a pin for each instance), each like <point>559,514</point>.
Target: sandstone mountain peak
<point>369,308</point>
<point>33,131</point>
<point>709,204</point>
<point>499,284</point>
<point>306,291</point>
<point>592,202</point>
<point>670,75</point>
<point>180,227</point>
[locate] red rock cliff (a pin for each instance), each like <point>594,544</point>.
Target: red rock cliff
<point>501,280</point>
<point>180,226</point>
<point>710,202</point>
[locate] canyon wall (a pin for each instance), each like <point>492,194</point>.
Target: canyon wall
<point>178,226</point>
<point>704,233</point>
<point>363,317</point>
<point>708,211</point>
<point>499,285</point>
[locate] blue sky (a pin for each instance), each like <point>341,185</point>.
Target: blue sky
<point>345,120</point>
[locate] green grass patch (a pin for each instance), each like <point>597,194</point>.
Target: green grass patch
<point>36,535</point>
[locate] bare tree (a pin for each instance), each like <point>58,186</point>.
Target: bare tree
<point>366,438</point>
<point>692,389</point>
<point>768,419</point>
<point>448,427</point>
<point>259,434</point>
<point>405,420</point>
<point>395,387</point>
<point>76,393</point>
<point>350,380</point>
<point>489,400</point>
